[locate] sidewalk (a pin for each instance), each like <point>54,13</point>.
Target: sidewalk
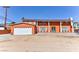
<point>5,37</point>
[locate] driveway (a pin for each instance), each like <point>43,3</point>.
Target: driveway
<point>41,42</point>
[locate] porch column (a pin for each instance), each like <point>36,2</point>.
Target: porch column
<point>60,26</point>
<point>71,19</point>
<point>37,25</point>
<point>48,26</point>
<point>72,26</point>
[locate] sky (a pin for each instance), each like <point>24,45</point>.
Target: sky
<point>15,13</point>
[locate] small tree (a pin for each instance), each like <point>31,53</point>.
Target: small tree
<point>13,22</point>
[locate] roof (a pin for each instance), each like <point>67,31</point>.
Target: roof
<point>28,20</point>
<point>34,20</point>
<point>1,25</point>
<point>76,22</point>
<point>55,20</point>
<point>21,23</point>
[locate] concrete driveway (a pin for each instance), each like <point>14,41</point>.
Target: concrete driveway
<point>41,42</point>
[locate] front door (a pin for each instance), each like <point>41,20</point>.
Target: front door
<point>53,29</point>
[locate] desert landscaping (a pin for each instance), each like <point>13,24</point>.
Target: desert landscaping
<point>41,42</point>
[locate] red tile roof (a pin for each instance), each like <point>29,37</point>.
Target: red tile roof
<point>34,20</point>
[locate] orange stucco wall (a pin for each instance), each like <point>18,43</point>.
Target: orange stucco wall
<point>54,23</point>
<point>57,26</point>
<point>68,24</point>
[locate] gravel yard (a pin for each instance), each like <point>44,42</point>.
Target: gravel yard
<point>41,42</point>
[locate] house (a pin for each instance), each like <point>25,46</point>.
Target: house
<point>31,26</point>
<point>1,27</point>
<point>51,25</point>
<point>3,31</point>
<point>76,26</point>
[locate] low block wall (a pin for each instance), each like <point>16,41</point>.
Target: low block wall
<point>5,31</point>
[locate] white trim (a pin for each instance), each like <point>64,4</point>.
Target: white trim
<point>48,26</point>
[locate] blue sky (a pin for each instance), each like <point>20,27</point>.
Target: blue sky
<point>15,13</point>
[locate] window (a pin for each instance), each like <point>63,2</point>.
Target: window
<point>78,27</point>
<point>43,29</point>
<point>74,24</point>
<point>77,24</point>
<point>64,29</point>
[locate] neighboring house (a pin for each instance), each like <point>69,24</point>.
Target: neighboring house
<point>76,26</point>
<point>3,31</point>
<point>1,27</point>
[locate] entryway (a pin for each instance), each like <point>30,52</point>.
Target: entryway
<point>53,29</point>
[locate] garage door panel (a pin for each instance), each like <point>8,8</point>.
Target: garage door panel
<point>22,31</point>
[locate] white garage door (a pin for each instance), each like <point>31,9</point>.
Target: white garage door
<point>22,31</point>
